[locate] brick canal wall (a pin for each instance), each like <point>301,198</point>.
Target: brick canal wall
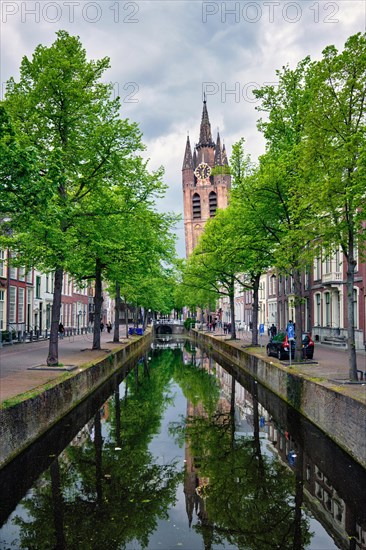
<point>342,418</point>
<point>23,423</point>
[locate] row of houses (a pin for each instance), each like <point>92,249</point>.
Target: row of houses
<point>324,301</point>
<point>26,299</point>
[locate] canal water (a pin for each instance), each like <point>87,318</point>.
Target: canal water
<point>183,453</point>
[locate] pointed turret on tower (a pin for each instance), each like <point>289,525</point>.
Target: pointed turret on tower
<point>218,152</point>
<point>224,155</point>
<point>188,160</point>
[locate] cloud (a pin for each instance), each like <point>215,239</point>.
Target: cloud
<point>165,53</point>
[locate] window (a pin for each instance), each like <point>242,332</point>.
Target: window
<point>47,282</point>
<point>21,274</point>
<point>196,204</point>
<point>38,286</point>
<point>317,309</point>
<point>20,305</point>
<point>212,203</point>
<point>2,263</point>
<point>2,308</point>
<point>355,308</point>
<point>29,277</point>
<point>317,269</point>
<point>12,272</point>
<point>327,309</point>
<point>291,284</point>
<point>12,304</point>
<point>337,261</point>
<point>328,265</point>
<point>355,255</point>
<point>29,307</point>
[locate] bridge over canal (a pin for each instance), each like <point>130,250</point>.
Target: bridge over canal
<point>168,326</point>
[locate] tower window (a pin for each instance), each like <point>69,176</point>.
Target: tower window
<point>213,203</point>
<point>196,204</point>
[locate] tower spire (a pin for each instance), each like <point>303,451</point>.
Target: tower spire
<point>205,129</point>
<point>188,161</point>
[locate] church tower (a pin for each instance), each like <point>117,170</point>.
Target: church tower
<point>205,185</point>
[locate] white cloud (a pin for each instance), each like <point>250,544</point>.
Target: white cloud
<point>162,52</point>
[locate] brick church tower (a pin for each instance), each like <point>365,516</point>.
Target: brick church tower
<point>203,192</point>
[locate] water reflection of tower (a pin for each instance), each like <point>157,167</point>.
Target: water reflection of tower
<point>192,481</point>
<point>195,486</point>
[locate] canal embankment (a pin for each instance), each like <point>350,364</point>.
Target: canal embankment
<point>337,410</point>
<point>28,416</point>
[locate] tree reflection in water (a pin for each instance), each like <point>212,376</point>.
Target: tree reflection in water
<point>106,490</point>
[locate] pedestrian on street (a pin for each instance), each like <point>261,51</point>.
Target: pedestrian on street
<point>272,331</point>
<point>61,331</point>
<point>109,327</point>
<point>101,326</point>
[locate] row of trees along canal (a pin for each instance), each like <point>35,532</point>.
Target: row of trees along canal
<point>76,196</point>
<point>305,198</point>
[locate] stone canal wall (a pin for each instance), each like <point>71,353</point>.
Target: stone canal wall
<point>339,416</point>
<point>23,423</point>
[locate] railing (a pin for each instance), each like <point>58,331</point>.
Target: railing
<point>332,277</point>
<point>167,322</point>
<point>15,336</point>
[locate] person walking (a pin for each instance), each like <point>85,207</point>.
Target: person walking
<point>61,331</point>
<point>272,331</point>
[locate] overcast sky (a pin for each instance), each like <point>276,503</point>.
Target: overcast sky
<point>164,54</point>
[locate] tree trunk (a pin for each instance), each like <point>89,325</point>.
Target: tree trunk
<point>298,315</point>
<point>117,307</point>
<point>117,404</point>
<point>352,358</point>
<point>126,317</point>
<point>299,498</point>
<point>232,411</point>
<point>98,301</point>
<point>98,445</point>
<point>232,308</point>
<point>145,319</point>
<point>52,359</point>
<point>255,284</point>
<point>58,505</point>
<point>256,436</point>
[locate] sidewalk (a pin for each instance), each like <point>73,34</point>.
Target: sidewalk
<point>330,366</point>
<point>16,359</point>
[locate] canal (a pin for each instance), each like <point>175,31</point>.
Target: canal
<point>185,452</point>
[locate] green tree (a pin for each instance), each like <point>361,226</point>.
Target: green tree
<point>336,159</point>
<point>62,111</point>
<point>252,245</point>
<point>281,176</point>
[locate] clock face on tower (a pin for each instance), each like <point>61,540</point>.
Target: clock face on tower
<point>202,171</point>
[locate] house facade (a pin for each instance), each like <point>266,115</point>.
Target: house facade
<point>26,298</point>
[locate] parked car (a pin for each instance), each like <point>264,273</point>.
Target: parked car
<point>279,346</point>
